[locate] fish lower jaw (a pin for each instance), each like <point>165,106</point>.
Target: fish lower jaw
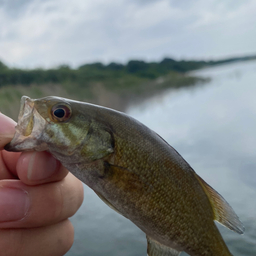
<point>23,143</point>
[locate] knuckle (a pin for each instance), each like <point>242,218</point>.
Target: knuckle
<point>67,239</point>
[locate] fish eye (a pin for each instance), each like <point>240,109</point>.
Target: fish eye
<point>61,112</point>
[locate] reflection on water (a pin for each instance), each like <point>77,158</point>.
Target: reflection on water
<point>214,129</point>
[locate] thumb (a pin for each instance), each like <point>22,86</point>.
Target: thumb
<point>7,130</point>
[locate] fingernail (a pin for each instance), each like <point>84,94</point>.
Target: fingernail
<point>14,204</point>
<point>40,165</point>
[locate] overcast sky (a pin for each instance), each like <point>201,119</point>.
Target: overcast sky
<point>47,33</point>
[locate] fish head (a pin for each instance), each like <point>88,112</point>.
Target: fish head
<point>46,124</point>
<point>64,127</point>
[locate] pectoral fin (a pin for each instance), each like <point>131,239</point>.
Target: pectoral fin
<point>223,212</point>
<point>157,249</point>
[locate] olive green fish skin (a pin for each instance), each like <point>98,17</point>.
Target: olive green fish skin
<point>151,184</point>
<point>136,172</point>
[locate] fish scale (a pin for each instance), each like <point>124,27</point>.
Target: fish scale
<point>133,170</point>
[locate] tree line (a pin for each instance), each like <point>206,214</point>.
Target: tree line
<point>100,72</point>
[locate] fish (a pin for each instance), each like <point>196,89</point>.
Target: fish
<point>133,170</point>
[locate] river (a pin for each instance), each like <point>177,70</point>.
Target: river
<point>213,127</point>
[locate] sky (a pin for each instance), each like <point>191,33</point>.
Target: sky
<point>49,33</point>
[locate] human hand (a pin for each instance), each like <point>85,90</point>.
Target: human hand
<point>37,196</point>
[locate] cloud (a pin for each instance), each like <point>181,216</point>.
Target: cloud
<point>14,7</point>
<point>48,33</point>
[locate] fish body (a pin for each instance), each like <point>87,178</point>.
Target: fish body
<point>133,170</point>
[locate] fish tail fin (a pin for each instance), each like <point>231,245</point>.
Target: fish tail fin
<point>223,212</point>
<point>157,249</point>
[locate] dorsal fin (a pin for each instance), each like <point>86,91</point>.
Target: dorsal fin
<point>157,249</point>
<point>223,212</point>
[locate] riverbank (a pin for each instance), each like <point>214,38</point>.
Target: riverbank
<point>114,85</point>
<point>115,93</point>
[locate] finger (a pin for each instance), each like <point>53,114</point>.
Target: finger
<point>23,206</point>
<point>10,159</point>
<point>35,168</point>
<point>5,173</point>
<point>54,240</point>
<point>7,130</point>
<point>32,167</point>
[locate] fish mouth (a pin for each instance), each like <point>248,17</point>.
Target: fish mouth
<point>29,128</point>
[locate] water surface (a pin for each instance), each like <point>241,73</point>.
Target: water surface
<point>214,128</point>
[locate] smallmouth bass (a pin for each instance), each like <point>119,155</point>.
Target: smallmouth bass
<point>133,170</point>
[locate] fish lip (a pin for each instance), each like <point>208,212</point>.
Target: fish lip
<point>28,129</point>
<point>25,115</point>
<point>10,147</point>
<point>23,101</point>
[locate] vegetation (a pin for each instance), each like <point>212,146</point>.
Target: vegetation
<point>111,85</point>
<point>99,72</point>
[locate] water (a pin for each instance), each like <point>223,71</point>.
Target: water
<point>214,128</point>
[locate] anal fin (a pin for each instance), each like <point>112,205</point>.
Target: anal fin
<point>157,249</point>
<point>223,212</point>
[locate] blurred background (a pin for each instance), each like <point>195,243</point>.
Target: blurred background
<point>186,69</point>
